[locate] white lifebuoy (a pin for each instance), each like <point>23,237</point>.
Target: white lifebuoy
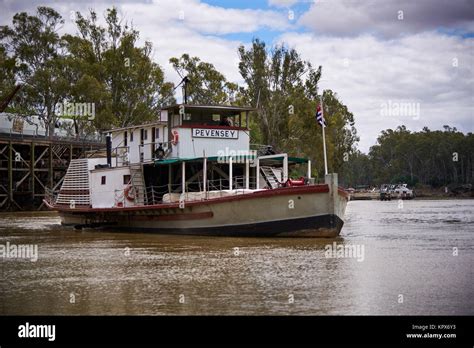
<point>175,137</point>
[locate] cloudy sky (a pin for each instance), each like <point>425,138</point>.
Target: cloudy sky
<point>391,62</point>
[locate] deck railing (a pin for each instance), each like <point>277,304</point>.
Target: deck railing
<point>28,133</point>
<point>155,193</point>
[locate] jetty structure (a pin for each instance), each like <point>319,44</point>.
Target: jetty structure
<point>33,165</point>
<point>33,161</point>
<point>194,171</point>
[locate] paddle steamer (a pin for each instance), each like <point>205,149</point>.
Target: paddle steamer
<point>194,171</point>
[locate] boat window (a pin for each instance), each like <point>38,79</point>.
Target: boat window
<point>164,115</point>
<point>216,117</point>
<point>176,120</point>
<point>131,136</point>
<point>157,133</point>
<point>125,138</point>
<point>145,134</point>
<point>102,180</point>
<point>126,179</point>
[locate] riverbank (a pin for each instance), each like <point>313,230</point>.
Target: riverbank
<point>446,192</point>
<point>424,192</point>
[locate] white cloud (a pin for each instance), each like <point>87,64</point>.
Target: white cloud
<point>205,18</point>
<point>387,18</point>
<point>367,72</point>
<point>175,27</point>
<point>282,3</point>
<point>171,36</point>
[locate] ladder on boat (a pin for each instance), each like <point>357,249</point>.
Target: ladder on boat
<point>270,177</point>
<point>138,183</point>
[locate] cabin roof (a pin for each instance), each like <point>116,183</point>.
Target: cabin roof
<point>155,123</point>
<point>210,107</point>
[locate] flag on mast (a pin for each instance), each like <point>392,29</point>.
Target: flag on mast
<point>320,116</point>
<point>322,123</point>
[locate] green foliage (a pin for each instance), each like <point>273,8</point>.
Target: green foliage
<point>34,44</point>
<point>7,73</point>
<point>285,89</point>
<point>108,68</point>
<point>357,170</point>
<point>434,158</point>
<point>103,66</point>
<point>206,85</point>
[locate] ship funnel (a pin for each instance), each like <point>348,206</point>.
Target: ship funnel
<point>108,142</point>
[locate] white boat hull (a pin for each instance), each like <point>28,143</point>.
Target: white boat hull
<point>307,211</point>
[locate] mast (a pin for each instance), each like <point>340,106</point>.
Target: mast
<point>185,89</point>
<point>324,136</point>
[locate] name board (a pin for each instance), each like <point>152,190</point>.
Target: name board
<point>215,133</point>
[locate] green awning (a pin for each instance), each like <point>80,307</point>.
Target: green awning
<point>165,161</point>
<point>291,160</point>
<point>199,159</point>
<point>173,160</point>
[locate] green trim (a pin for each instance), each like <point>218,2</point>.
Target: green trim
<point>166,161</point>
<point>290,159</point>
<point>173,160</point>
<point>209,159</point>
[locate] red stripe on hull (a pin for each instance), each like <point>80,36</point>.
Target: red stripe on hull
<point>175,217</point>
<point>299,190</point>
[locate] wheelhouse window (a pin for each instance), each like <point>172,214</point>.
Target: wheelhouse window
<point>223,116</point>
<point>125,138</point>
<point>103,180</point>
<point>215,117</point>
<point>131,136</point>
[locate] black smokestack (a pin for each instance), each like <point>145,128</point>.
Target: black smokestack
<point>108,142</point>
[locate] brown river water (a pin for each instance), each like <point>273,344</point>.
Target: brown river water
<point>413,259</point>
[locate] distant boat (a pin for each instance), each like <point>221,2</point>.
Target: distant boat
<point>193,171</point>
<point>402,191</point>
<point>398,191</point>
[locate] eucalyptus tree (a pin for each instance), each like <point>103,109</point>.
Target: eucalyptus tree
<point>34,43</point>
<point>284,88</point>
<point>205,84</point>
<point>108,66</point>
